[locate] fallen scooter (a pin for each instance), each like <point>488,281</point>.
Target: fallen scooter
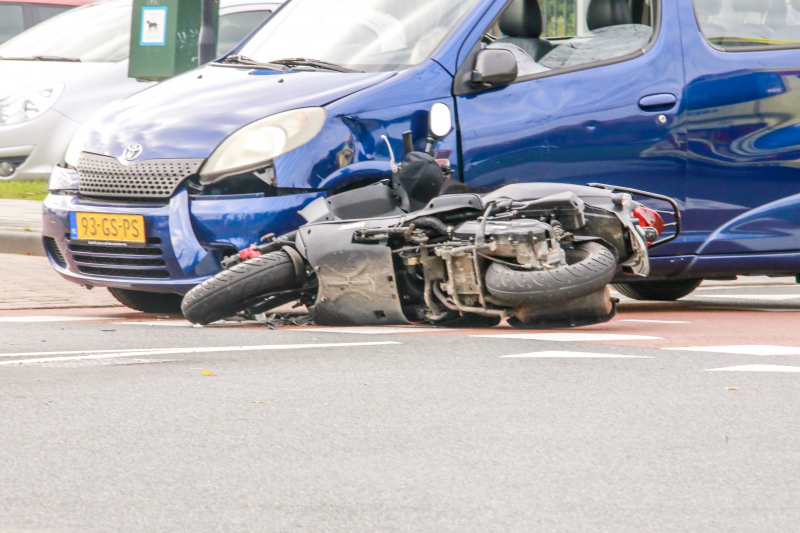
<point>418,248</point>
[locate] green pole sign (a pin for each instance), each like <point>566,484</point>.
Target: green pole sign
<point>165,35</point>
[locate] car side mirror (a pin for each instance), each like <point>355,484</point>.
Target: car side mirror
<point>494,67</point>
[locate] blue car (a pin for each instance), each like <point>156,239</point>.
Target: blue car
<point>698,100</point>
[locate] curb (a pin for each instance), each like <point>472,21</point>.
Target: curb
<point>21,243</point>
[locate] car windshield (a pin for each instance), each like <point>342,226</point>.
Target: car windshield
<point>95,33</point>
<point>365,35</point>
<point>234,27</point>
<point>12,21</point>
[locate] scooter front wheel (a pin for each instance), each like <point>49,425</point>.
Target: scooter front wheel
<point>239,288</point>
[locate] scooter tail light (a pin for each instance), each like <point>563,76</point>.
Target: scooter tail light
<point>649,218</point>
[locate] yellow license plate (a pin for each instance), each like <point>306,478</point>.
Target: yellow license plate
<point>106,227</point>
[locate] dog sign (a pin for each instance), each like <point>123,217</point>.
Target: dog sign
<point>154,26</point>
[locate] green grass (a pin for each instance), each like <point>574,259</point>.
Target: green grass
<point>23,190</point>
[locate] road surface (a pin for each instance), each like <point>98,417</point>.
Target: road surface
<point>672,417</point>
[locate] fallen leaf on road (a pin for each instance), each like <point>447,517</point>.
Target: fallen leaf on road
<point>207,373</point>
<point>260,402</point>
<point>731,388</point>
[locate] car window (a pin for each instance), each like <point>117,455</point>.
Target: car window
<point>45,11</point>
<point>368,35</point>
<point>233,28</point>
<point>553,35</point>
<point>94,33</point>
<point>11,22</point>
<point>744,24</point>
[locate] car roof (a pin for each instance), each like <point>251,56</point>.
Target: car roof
<point>50,2</point>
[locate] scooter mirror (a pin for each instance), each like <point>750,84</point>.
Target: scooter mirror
<point>440,120</point>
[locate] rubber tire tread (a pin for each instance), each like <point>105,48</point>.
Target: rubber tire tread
<point>148,302</point>
<point>227,293</point>
<point>592,272</point>
<point>659,290</point>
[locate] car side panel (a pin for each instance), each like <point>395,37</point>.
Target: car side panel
<point>743,133</point>
<point>355,124</point>
<point>583,126</point>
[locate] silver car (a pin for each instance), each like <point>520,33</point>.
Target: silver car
<point>54,76</point>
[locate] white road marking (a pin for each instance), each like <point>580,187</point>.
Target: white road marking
<point>756,368</point>
<point>377,330</point>
<point>28,354</point>
<point>737,308</point>
<point>774,297</point>
<point>589,355</point>
<point>752,349</point>
<point>204,349</point>
<point>103,362</point>
<point>186,323</point>
<point>569,337</point>
<point>761,284</point>
<point>656,321</point>
<point>178,323</point>
<point>48,318</point>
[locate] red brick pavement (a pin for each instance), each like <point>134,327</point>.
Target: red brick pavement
<point>28,282</point>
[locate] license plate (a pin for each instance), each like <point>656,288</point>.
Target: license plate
<point>107,227</point>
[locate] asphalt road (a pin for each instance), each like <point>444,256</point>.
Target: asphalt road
<point>107,423</point>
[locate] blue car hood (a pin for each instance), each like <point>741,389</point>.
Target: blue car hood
<point>189,116</point>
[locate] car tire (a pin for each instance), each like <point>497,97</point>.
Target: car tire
<point>236,289</point>
<point>148,302</point>
<point>658,290</point>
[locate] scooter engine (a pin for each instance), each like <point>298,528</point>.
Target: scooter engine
<point>532,244</point>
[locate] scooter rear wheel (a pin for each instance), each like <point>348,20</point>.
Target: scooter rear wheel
<point>234,290</point>
<point>591,267</point>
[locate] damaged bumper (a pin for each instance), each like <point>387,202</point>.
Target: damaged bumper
<point>186,238</point>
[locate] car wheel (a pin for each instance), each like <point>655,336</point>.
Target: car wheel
<point>660,290</point>
<point>148,302</point>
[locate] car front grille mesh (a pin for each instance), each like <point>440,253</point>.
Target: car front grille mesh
<point>104,176</point>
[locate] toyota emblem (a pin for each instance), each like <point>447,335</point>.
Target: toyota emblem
<point>132,152</point>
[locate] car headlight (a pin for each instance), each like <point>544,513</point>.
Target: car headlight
<point>30,104</point>
<point>253,146</point>
<point>79,139</point>
<point>63,179</point>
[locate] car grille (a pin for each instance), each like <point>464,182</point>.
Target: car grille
<point>104,176</point>
<point>146,262</point>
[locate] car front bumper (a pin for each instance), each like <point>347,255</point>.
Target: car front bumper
<point>186,238</point>
<point>39,143</point>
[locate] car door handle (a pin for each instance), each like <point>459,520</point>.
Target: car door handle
<point>657,102</point>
